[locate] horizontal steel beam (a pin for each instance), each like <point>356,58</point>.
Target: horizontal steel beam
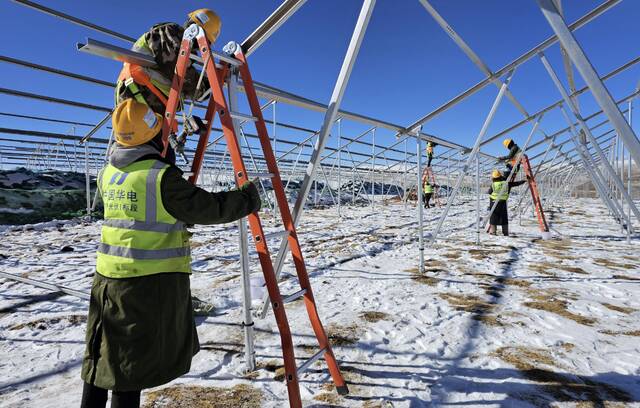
<point>512,65</point>
<point>75,20</point>
<point>270,25</point>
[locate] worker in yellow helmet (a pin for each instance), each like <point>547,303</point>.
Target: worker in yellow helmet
<point>140,328</point>
<point>499,191</point>
<point>510,159</point>
<point>428,187</point>
<point>151,86</point>
<point>427,192</point>
<point>430,146</point>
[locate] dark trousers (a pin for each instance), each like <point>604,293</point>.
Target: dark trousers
<point>509,166</point>
<point>429,158</point>
<point>95,397</point>
<point>426,197</point>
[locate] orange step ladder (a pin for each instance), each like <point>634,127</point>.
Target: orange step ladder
<point>535,195</point>
<point>235,63</point>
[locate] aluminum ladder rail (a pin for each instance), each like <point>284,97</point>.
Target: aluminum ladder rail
<point>236,63</point>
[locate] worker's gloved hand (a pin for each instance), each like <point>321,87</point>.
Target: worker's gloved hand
<point>251,189</point>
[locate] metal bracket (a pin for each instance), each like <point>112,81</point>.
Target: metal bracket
<point>231,48</point>
<point>193,31</point>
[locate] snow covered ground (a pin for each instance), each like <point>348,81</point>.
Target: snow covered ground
<point>514,321</point>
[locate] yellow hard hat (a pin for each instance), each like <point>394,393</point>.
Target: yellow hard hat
<point>209,21</point>
<point>496,173</point>
<point>134,123</point>
<point>506,143</point>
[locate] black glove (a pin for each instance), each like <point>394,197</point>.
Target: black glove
<point>254,196</point>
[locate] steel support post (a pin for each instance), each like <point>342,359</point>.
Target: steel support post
<point>373,168</point>
<point>405,184</point>
<point>250,359</point>
<point>593,81</point>
<point>419,200</point>
<point>477,200</point>
<point>449,175</point>
<point>472,156</point>
<point>329,118</point>
<point>629,176</point>
<point>610,170</point>
<point>339,166</point>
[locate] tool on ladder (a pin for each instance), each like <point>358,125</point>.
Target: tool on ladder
<point>535,195</point>
<point>235,64</point>
<point>192,125</point>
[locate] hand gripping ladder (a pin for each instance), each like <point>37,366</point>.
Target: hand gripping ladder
<point>228,67</point>
<point>535,195</point>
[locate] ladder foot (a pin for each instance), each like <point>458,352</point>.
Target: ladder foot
<point>343,390</point>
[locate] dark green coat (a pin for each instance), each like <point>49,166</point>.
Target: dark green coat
<point>140,331</point>
<point>514,149</point>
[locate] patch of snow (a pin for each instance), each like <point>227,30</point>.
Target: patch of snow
<point>515,321</point>
<point>20,210</point>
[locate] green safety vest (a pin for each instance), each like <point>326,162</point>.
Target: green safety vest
<point>428,188</point>
<point>500,190</point>
<point>139,236</point>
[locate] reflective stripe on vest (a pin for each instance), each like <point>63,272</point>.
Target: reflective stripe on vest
<point>133,75</point>
<point>500,191</point>
<point>139,236</point>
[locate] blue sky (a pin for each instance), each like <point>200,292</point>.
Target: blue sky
<point>407,65</point>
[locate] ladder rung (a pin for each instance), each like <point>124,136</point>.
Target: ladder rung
<point>294,296</point>
<point>260,175</point>
<point>242,116</point>
<point>277,234</point>
<point>199,60</point>
<point>304,367</point>
<point>226,59</point>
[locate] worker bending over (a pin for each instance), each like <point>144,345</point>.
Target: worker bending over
<point>151,86</point>
<point>510,159</point>
<point>499,191</point>
<point>140,329</point>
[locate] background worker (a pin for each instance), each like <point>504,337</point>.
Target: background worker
<point>499,191</point>
<point>151,86</point>
<point>427,191</point>
<point>140,329</point>
<point>430,146</point>
<point>510,159</point>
